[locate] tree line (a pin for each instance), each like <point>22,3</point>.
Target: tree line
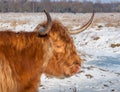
<point>57,6</point>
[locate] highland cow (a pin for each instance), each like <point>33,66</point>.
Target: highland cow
<point>24,56</point>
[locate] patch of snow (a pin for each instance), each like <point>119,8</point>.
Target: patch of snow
<point>101,70</point>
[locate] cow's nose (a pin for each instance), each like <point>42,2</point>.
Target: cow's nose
<point>77,68</point>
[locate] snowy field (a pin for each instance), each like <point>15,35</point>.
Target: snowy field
<point>98,46</point>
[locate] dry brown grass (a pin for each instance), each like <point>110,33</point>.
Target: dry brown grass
<point>68,19</point>
<point>14,23</point>
<point>115,45</point>
<point>96,38</point>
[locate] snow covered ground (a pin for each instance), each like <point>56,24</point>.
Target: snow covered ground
<point>98,46</point>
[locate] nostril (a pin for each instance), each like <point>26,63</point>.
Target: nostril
<point>77,67</point>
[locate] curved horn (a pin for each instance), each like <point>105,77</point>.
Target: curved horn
<point>46,29</point>
<point>83,27</point>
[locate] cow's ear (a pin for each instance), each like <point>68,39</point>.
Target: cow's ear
<point>41,29</point>
<point>45,29</point>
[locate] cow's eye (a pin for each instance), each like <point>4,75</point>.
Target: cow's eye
<point>77,63</point>
<point>58,46</point>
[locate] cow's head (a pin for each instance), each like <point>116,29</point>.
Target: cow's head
<point>65,61</point>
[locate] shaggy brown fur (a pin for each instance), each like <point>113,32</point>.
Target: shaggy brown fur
<point>24,56</point>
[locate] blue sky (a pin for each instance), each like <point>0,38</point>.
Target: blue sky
<point>103,1</point>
